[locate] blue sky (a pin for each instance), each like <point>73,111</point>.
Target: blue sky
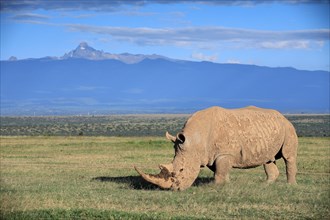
<point>266,33</point>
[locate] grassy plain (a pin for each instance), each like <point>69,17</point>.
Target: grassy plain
<point>93,178</point>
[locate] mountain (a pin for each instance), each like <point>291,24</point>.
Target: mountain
<point>84,51</point>
<point>12,58</point>
<point>84,80</point>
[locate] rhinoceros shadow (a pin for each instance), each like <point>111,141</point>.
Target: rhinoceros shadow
<point>136,182</point>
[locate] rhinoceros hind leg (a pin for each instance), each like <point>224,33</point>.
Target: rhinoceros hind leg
<point>291,169</point>
<point>289,152</point>
<point>271,172</point>
<point>222,168</point>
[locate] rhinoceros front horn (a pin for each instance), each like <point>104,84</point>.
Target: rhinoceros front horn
<point>164,179</point>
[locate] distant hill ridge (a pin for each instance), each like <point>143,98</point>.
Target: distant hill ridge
<point>84,51</point>
<point>89,80</point>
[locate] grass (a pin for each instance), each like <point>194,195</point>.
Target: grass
<point>93,178</point>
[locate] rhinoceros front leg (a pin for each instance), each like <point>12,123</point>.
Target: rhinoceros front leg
<point>271,172</point>
<point>222,168</point>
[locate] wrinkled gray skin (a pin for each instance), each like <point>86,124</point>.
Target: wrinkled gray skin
<point>222,139</point>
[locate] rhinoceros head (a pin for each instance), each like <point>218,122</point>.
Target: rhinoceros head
<point>184,169</point>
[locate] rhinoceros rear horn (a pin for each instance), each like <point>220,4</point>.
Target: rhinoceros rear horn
<point>170,137</point>
<point>164,179</point>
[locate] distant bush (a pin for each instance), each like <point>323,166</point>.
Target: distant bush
<point>133,125</point>
<point>311,125</point>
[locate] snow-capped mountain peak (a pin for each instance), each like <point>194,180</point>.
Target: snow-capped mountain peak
<point>84,51</point>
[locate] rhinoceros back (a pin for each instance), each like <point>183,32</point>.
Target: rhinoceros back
<point>253,136</point>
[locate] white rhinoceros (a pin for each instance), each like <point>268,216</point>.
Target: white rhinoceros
<point>222,139</point>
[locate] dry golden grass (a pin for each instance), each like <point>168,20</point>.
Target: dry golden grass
<point>93,177</point>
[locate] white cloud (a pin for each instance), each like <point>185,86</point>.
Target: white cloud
<point>102,5</point>
<point>85,88</point>
<point>233,61</point>
<point>30,16</point>
<point>201,56</point>
<point>303,44</point>
<point>203,36</point>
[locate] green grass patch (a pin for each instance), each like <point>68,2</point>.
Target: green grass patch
<point>93,178</point>
<point>81,214</point>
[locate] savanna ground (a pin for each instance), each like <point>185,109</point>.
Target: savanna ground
<point>92,177</point>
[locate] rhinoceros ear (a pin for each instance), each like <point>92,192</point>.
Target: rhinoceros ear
<point>181,138</point>
<point>170,137</point>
